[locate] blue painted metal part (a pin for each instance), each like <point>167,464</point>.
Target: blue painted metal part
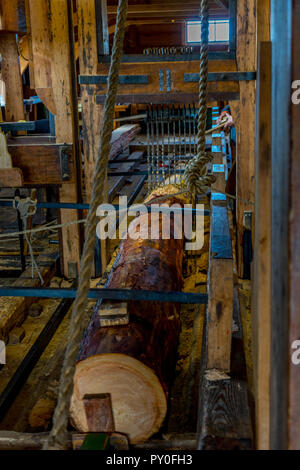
<point>123,79</point>
<point>70,205</point>
<point>221,77</point>
<point>112,294</point>
<point>41,125</point>
<point>221,246</point>
<point>32,100</point>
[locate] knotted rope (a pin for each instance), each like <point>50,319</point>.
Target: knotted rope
<point>196,176</point>
<point>58,435</point>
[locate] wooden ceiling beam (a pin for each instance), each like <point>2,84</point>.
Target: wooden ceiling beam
<point>159,9</point>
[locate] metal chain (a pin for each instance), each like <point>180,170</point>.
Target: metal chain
<point>58,435</point>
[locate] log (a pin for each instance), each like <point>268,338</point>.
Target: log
<point>135,362</point>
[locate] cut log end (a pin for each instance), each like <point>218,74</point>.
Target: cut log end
<point>138,399</point>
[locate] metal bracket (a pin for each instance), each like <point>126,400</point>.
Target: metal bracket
<point>123,79</point>
<point>64,154</point>
<point>248,220</point>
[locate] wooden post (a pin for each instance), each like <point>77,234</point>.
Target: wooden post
<point>285,248</point>
<point>246,61</point>
<point>263,13</point>
<point>92,113</point>
<point>261,297</point>
<point>220,299</point>
<point>102,27</point>
<point>14,107</point>
<point>65,128</point>
<point>52,62</point>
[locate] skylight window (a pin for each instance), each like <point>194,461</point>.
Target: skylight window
<point>218,31</point>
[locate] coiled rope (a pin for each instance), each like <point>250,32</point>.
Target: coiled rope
<point>196,177</point>
<point>58,435</point>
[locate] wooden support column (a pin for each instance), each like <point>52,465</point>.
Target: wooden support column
<point>92,113</point>
<point>53,76</point>
<point>102,27</point>
<point>285,247</point>
<point>12,16</point>
<point>294,251</point>
<point>261,297</point>
<point>220,282</point>
<point>220,299</point>
<point>263,13</point>
<point>14,109</point>
<point>246,61</point>
<point>66,128</point>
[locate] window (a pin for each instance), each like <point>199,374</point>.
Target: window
<point>218,31</point>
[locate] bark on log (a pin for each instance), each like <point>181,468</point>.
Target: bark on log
<point>135,363</point>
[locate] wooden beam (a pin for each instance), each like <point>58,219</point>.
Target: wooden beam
<point>246,60</point>
<point>176,70</point>
<point>11,178</point>
<point>137,22</point>
<point>12,16</point>
<point>40,164</point>
<point>220,300</point>
<point>261,297</point>
<point>169,98</point>
<point>92,114</point>
<point>54,82</point>
<point>14,107</point>
<point>285,209</point>
<point>102,27</point>
<point>263,12</point>
<point>88,61</point>
<point>166,9</point>
<point>29,40</point>
<point>225,415</point>
<point>40,27</point>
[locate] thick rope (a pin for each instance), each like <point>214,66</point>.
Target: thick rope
<point>58,435</point>
<point>196,177</point>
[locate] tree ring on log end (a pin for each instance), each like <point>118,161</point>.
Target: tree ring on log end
<point>138,399</point>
